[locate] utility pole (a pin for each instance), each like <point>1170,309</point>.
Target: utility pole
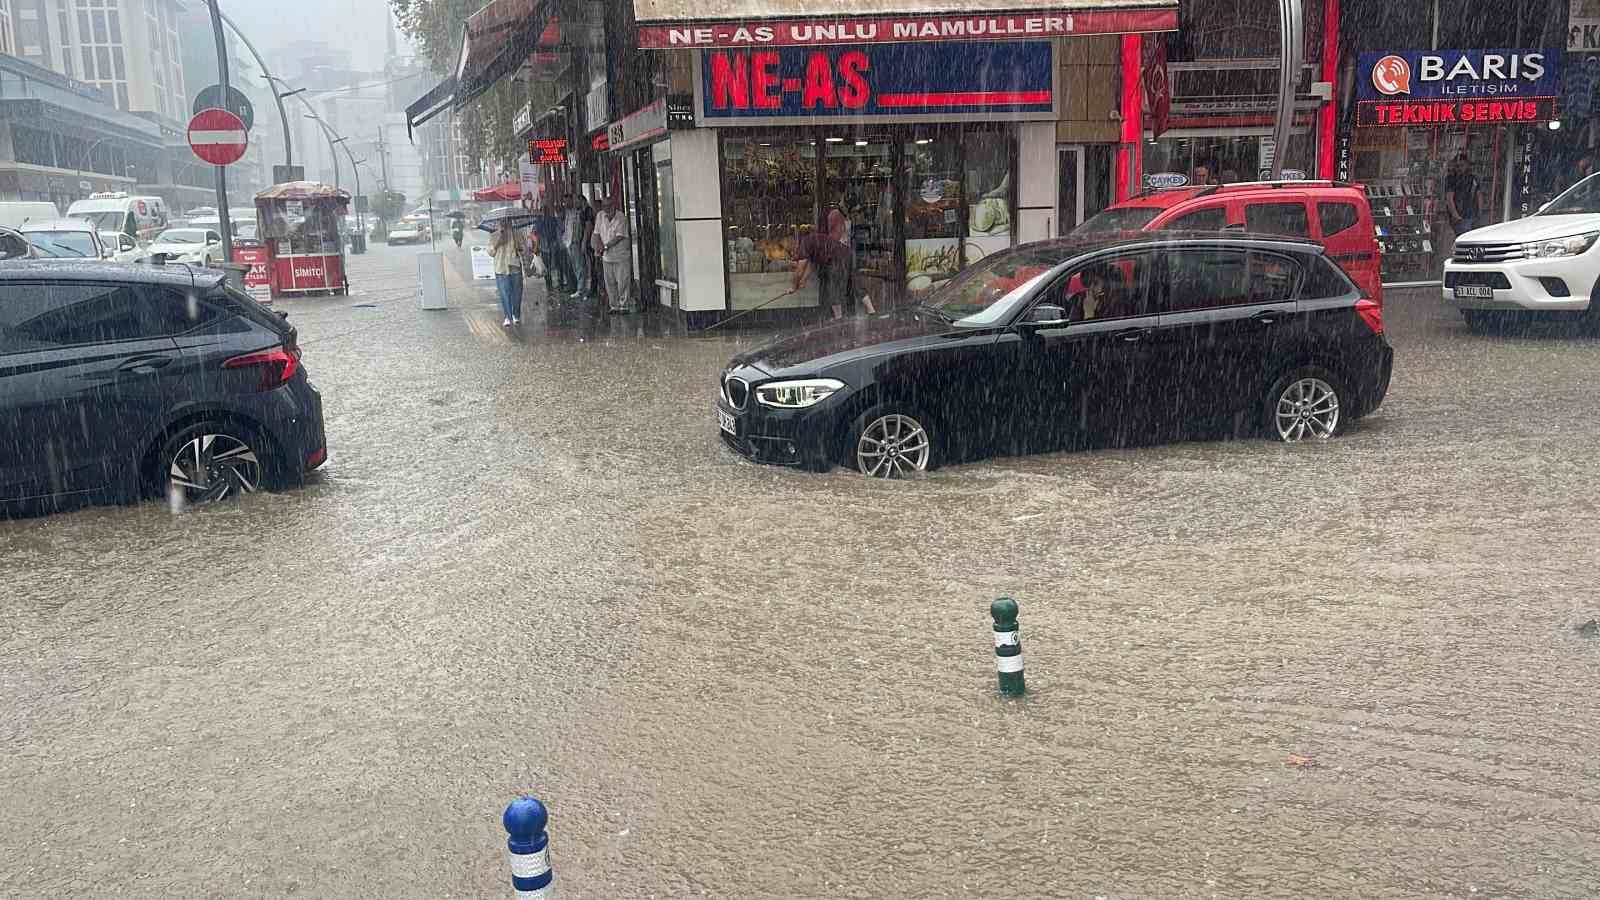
<point>383,158</point>
<point>224,225</point>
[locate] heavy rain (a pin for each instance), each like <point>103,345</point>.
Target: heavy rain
<point>546,448</point>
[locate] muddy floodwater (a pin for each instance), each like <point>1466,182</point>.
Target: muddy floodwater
<point>1350,669</point>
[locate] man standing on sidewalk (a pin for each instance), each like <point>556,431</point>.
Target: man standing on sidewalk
<point>547,228</point>
<point>616,255</point>
<point>576,236</point>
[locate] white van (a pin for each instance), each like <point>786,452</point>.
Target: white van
<point>118,213</point>
<point>16,213</point>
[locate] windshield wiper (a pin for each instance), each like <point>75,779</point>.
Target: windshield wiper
<point>943,316</point>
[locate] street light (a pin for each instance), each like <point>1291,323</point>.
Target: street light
<point>328,134</point>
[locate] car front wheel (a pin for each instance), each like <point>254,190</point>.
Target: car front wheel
<point>891,443</point>
<point>1306,404</point>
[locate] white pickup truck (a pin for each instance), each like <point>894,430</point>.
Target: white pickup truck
<point>1543,264</point>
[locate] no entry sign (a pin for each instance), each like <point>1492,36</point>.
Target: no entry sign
<point>217,136</point>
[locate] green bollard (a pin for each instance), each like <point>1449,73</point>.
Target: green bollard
<point>1007,647</point>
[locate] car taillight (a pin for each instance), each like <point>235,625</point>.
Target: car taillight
<point>1370,313</point>
<point>275,364</point>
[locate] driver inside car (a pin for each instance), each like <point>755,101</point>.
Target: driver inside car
<point>1101,297</point>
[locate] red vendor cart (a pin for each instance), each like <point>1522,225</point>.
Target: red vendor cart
<point>299,223</point>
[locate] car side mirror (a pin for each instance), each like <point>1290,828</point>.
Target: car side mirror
<point>1047,314</point>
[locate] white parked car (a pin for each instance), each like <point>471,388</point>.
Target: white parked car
<point>197,246</point>
<point>1545,263</point>
<point>67,238</point>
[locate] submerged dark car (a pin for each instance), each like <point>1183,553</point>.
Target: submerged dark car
<point>1128,337</point>
<point>122,381</point>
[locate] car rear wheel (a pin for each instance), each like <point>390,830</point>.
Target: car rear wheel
<point>212,461</point>
<point>1306,404</point>
<point>891,443</point>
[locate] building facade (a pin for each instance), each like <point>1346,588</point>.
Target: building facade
<point>944,138</point>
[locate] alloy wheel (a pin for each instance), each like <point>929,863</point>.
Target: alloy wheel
<point>210,467</point>
<point>891,446</point>
<point>1307,408</point>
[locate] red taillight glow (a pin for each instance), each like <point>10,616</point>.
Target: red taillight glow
<point>275,364</point>
<point>317,458</point>
<point>1370,313</point>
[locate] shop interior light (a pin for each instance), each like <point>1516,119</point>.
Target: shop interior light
<point>833,140</point>
<point>924,140</point>
<point>1553,125</point>
<point>861,143</point>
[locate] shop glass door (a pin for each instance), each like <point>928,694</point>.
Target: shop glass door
<point>770,201</point>
<point>931,189</point>
<point>858,178</point>
<point>1069,197</point>
<point>988,194</point>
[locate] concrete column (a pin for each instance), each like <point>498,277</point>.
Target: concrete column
<point>1036,181</point>
<point>697,203</point>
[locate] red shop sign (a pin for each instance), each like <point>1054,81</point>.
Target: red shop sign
<point>902,29</point>
<point>1455,112</point>
<point>547,151</point>
<point>601,140</point>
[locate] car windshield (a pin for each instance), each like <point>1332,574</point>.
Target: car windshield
<point>1127,218</point>
<point>181,236</point>
<point>1583,197</point>
<point>64,243</point>
<point>988,292</point>
<point>110,220</point>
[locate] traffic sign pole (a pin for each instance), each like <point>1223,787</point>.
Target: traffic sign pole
<point>226,227</point>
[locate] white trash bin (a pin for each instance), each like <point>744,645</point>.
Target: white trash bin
<point>430,280</point>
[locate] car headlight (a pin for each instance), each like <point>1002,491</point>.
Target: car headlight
<point>797,394</point>
<point>1562,246</point>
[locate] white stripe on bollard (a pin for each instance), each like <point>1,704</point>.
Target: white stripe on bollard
<point>543,893</point>
<point>1006,638</point>
<point>530,865</point>
<point>1008,663</point>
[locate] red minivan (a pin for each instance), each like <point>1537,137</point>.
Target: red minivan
<point>1333,213</point>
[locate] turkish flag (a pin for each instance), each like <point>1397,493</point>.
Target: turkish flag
<point>1157,92</point>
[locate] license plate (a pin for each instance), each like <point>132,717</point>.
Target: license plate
<point>726,423</point>
<point>1478,291</point>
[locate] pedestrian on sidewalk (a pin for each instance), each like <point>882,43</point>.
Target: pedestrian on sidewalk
<point>576,235</point>
<point>547,230</point>
<point>616,255</point>
<point>507,253</point>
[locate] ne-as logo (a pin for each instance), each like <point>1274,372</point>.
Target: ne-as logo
<point>756,81</point>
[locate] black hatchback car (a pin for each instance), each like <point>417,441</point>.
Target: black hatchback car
<point>1130,336</point>
<point>124,381</point>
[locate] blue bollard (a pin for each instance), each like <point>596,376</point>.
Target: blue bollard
<point>529,844</point>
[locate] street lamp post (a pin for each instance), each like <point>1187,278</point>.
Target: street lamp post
<point>288,152</point>
<point>328,133</point>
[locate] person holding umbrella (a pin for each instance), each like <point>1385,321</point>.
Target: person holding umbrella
<point>507,252</point>
<point>457,226</point>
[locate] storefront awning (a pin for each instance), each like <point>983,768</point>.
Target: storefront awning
<point>511,190</point>
<point>685,24</point>
<point>498,39</point>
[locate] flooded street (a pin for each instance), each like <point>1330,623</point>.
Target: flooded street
<point>530,565</point>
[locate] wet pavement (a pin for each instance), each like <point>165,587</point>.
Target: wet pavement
<point>1254,670</point>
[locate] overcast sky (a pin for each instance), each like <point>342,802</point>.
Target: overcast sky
<point>356,24</point>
